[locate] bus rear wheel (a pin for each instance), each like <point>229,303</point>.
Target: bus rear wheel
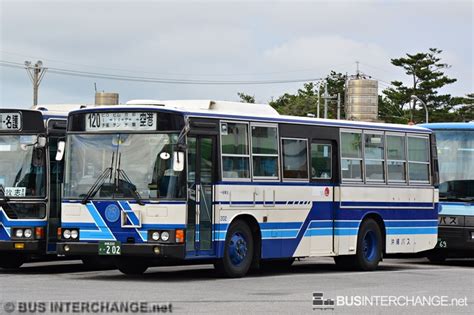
<point>436,257</point>
<point>11,261</point>
<point>130,266</point>
<point>238,251</point>
<point>369,249</point>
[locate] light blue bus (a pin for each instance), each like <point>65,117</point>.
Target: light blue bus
<point>455,143</point>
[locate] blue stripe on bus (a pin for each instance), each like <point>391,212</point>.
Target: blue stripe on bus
<point>408,223</point>
<point>429,230</point>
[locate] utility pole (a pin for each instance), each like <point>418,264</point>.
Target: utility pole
<point>327,97</point>
<point>338,106</point>
<point>36,73</point>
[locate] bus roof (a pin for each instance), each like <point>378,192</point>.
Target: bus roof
<point>244,111</point>
<point>449,125</point>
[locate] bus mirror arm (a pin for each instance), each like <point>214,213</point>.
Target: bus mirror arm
<point>60,151</point>
<point>178,161</point>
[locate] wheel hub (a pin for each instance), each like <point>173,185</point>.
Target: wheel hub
<point>237,249</point>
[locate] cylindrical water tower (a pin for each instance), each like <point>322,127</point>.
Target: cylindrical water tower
<point>106,98</point>
<point>361,99</point>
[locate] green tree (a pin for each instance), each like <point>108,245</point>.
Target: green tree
<point>246,98</point>
<point>306,99</point>
<point>427,75</point>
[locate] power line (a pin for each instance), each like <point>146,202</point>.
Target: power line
<point>170,74</point>
<point>163,80</point>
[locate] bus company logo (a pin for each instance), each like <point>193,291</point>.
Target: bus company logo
<point>320,303</point>
<point>112,213</point>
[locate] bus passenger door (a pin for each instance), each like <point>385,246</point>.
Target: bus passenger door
<point>201,175</point>
<point>55,170</point>
<point>323,171</point>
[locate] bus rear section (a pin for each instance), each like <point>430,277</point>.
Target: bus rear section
<point>29,185</point>
<point>200,181</point>
<point>455,143</point>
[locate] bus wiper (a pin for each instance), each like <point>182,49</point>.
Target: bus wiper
<point>132,187</point>
<point>99,182</point>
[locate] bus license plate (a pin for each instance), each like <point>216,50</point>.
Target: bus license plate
<point>110,248</point>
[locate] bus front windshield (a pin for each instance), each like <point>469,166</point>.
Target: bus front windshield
<point>129,163</point>
<point>456,164</point>
<point>22,167</point>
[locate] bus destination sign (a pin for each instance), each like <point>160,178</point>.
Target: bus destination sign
<point>10,121</point>
<point>133,121</point>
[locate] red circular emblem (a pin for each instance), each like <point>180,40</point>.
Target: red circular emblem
<point>326,191</point>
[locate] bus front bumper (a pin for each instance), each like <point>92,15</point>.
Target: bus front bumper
<point>165,251</point>
<point>456,241</point>
<point>23,246</point>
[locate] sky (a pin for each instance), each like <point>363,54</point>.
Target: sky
<point>222,41</point>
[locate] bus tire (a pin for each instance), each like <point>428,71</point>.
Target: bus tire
<point>130,266</point>
<point>238,251</point>
<point>436,258</point>
<point>11,261</point>
<point>369,249</point>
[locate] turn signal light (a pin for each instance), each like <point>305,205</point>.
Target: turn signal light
<point>39,233</point>
<point>179,236</point>
<point>60,233</point>
<point>19,245</point>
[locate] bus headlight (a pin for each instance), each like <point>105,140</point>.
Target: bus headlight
<point>19,233</point>
<point>155,236</point>
<point>74,234</point>
<point>28,233</point>
<point>165,236</point>
<point>67,234</point>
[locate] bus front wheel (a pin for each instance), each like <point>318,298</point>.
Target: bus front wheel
<point>11,261</point>
<point>369,249</point>
<point>238,251</point>
<point>130,266</point>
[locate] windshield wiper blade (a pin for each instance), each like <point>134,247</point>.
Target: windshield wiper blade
<point>132,187</point>
<point>97,185</point>
<point>99,182</point>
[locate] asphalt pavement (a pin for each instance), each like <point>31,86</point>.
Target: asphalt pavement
<point>411,286</point>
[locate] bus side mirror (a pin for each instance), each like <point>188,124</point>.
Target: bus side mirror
<point>40,142</point>
<point>178,161</point>
<point>60,151</point>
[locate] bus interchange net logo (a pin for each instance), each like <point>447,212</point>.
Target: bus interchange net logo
<point>320,303</point>
<point>85,307</point>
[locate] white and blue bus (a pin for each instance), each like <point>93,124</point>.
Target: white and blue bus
<point>240,185</point>
<point>30,187</point>
<point>455,143</point>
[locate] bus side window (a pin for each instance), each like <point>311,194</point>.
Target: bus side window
<point>374,154</point>
<point>396,159</point>
<point>321,161</point>
<point>295,158</point>
<point>418,159</point>
<point>265,152</point>
<point>235,150</point>
<point>351,155</point>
